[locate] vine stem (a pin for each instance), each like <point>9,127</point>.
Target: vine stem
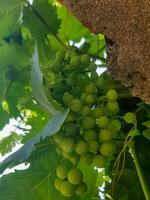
<point>139,172</point>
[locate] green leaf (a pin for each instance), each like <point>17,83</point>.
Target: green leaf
<point>146,133</point>
<point>41,19</point>
<point>147,124</point>
<point>24,152</point>
<point>10,12</point>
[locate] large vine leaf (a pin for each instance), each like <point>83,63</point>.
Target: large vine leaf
<point>24,152</point>
<point>9,16</point>
<point>39,178</point>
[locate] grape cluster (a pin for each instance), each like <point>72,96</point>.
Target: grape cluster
<point>69,182</point>
<point>92,123</point>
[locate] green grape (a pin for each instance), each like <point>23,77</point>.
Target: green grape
<point>129,117</point>
<point>74,176</point>
<point>88,122</point>
<point>98,112</point>
<point>58,183</point>
<point>60,55</point>
<point>103,122</point>
<point>89,135</point>
<point>90,88</point>
<point>114,126</point>
<point>72,80</point>
<point>90,99</point>
<point>56,66</point>
<point>99,161</point>
<point>81,189</point>
<point>83,98</point>
<point>86,159</point>
<point>75,105</point>
<point>112,95</point>
<point>75,61</point>
<point>61,171</point>
<point>113,107</point>
<point>105,135</point>
<point>81,147</point>
<point>100,83</point>
<point>58,138</point>
<point>92,66</point>
<point>85,111</point>
<point>66,154</point>
<point>67,189</point>
<point>85,59</point>
<point>67,98</point>
<point>68,145</point>
<point>74,158</point>
<point>68,68</point>
<point>70,117</point>
<point>93,146</point>
<point>107,149</point>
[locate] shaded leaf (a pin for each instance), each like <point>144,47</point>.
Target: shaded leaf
<point>146,133</point>
<point>147,124</point>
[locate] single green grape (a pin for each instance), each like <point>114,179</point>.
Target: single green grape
<point>114,126</point>
<point>58,138</point>
<point>107,149</point>
<point>98,112</point>
<point>81,147</point>
<point>93,146</point>
<point>61,171</point>
<point>85,59</point>
<point>88,122</point>
<point>86,159</point>
<point>83,98</point>
<point>56,66</point>
<point>58,183</point>
<point>100,83</point>
<point>67,189</point>
<point>90,99</point>
<point>75,105</point>
<point>68,145</point>
<point>112,95</point>
<point>89,135</point>
<point>81,189</point>
<point>67,98</point>
<point>75,61</point>
<point>105,135</point>
<point>129,118</point>
<point>99,161</point>
<point>74,176</point>
<point>113,107</point>
<point>70,117</point>
<point>85,111</point>
<point>103,122</point>
<point>90,88</point>
<point>60,55</point>
<point>92,66</point>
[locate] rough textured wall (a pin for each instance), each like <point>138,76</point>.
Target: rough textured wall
<point>127,23</point>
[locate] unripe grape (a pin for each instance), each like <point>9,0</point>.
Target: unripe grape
<point>93,146</point>
<point>89,135</point>
<point>100,83</point>
<point>112,95</point>
<point>88,122</point>
<point>90,88</point>
<point>70,129</point>
<point>86,159</point>
<point>107,149</point>
<point>68,68</point>
<point>58,183</point>
<point>98,112</point>
<point>74,176</point>
<point>85,59</point>
<point>81,147</point>
<point>99,161</point>
<point>90,99</point>
<point>129,117</point>
<point>92,66</point>
<point>75,61</point>
<point>70,117</point>
<point>113,107</point>
<point>67,189</point>
<point>75,105</point>
<point>67,98</point>
<point>114,126</point>
<point>85,111</point>
<point>105,135</point>
<point>74,158</point>
<point>56,67</point>
<point>68,145</point>
<point>83,98</point>
<point>103,122</point>
<point>81,189</point>
<point>58,138</point>
<point>61,171</point>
